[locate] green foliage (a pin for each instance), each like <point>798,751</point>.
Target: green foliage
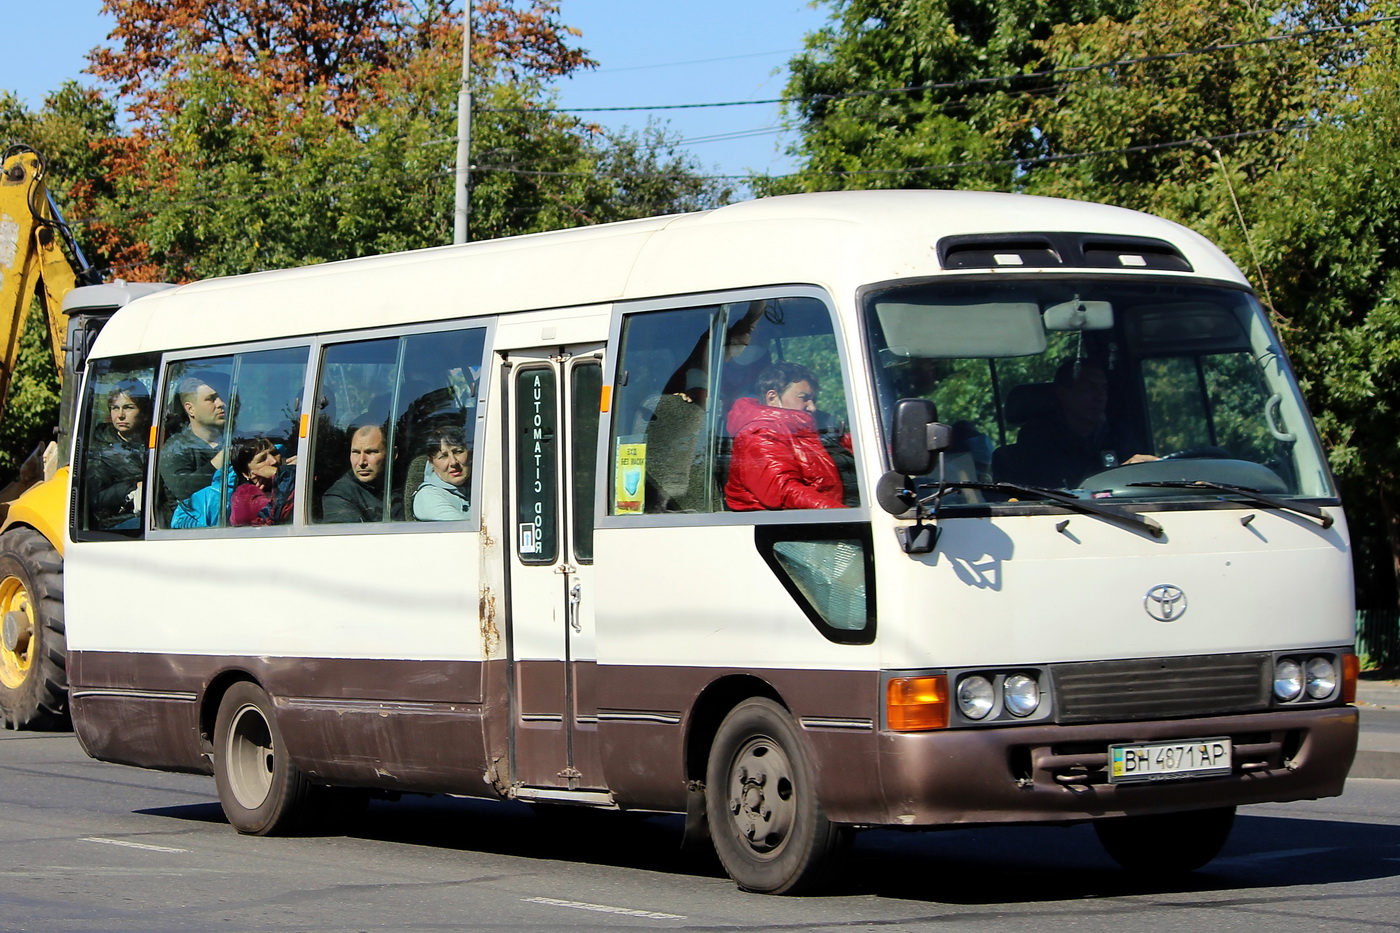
<point>31,409</point>
<point>861,128</point>
<point>249,186</point>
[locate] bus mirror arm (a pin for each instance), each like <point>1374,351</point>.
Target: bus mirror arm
<point>897,494</point>
<point>918,441</point>
<point>917,538</point>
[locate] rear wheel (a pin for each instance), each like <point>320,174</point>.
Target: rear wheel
<point>33,668</point>
<point>262,792</point>
<point>1166,843</point>
<point>769,829</point>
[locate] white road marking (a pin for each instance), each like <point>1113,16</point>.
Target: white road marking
<point>1273,856</point>
<point>603,908</point>
<point>131,845</point>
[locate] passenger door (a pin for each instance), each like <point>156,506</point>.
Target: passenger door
<point>552,440</point>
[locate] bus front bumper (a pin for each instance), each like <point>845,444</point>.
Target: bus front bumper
<point>1052,773</point>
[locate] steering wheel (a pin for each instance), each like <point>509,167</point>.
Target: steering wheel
<point>1204,452</point>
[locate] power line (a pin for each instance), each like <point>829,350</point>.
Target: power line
<point>968,82</point>
<point>1067,157</point>
<point>506,168</point>
<point>694,61</point>
<point>1020,162</point>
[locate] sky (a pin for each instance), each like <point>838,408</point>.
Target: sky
<point>650,52</point>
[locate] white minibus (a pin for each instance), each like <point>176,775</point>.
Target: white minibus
<point>915,509</point>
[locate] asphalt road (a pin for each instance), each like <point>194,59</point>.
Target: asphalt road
<point>1378,752</point>
<point>86,846</point>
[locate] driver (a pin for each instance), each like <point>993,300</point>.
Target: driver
<point>1073,439</point>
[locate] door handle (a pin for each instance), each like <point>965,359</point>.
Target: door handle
<point>575,597</point>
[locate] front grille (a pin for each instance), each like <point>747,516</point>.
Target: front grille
<point>1161,688</point>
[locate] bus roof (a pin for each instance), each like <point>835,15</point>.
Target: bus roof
<point>838,240</point>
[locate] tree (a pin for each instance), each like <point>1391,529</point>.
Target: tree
<point>31,408</point>
<point>325,53</point>
<point>1186,108</point>
<point>916,93</point>
<point>241,187</point>
<point>77,132</point>
<point>1328,232</point>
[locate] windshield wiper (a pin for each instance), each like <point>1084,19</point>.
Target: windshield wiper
<point>1245,492</point>
<point>1121,516</point>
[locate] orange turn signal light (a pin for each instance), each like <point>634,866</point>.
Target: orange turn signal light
<point>917,704</point>
<point>1351,672</point>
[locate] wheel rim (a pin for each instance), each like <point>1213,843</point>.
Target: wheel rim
<point>762,796</point>
<point>16,648</point>
<point>250,755</point>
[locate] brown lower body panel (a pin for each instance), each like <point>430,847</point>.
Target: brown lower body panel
<point>437,726</point>
<point>397,725</point>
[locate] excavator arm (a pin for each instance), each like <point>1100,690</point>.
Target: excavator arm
<point>31,258</point>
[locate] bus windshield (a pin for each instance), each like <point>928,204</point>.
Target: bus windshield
<point>1103,388</point>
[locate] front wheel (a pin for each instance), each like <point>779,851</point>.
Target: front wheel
<point>1166,843</point>
<point>261,791</point>
<point>33,666</point>
<point>768,827</point>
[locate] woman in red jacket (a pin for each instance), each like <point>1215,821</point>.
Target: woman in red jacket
<point>778,460</point>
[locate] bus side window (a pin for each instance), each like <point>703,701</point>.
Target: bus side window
<point>688,382</point>
<point>218,409</point>
<point>661,427</point>
<point>785,442</point>
<point>352,446</point>
<point>194,485</point>
<point>264,433</point>
<point>383,407</point>
<point>114,448</point>
<point>436,422</point>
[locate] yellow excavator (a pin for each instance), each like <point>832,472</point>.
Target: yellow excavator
<point>33,508</point>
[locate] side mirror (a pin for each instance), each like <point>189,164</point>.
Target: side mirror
<point>918,436</point>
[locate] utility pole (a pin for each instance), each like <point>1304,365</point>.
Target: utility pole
<point>464,132</point>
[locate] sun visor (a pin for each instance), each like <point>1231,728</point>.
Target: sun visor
<point>958,331</point>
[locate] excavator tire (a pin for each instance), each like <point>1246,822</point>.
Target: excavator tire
<point>33,674</point>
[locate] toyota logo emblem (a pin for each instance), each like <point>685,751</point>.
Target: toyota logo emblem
<point>1165,603</point>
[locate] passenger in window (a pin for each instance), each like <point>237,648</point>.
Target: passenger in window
<point>358,496</point>
<point>1067,436</point>
<point>117,458</point>
<point>190,456</point>
<point>265,495</point>
<point>207,507</point>
<point>779,461</point>
<point>442,496</point>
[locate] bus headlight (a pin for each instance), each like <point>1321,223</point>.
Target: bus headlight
<point>1021,694</point>
<point>1321,678</point>
<point>1288,679</point>
<point>975,696</point>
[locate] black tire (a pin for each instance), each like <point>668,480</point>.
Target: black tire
<point>262,792</point>
<point>1167,843</point>
<point>768,828</point>
<point>33,651</point>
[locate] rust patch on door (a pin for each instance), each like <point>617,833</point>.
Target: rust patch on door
<point>490,636</point>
